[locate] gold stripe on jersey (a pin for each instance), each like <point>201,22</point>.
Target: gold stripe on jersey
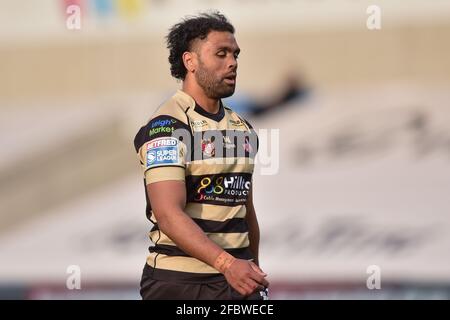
<point>179,263</point>
<point>219,165</point>
<point>224,240</point>
<point>212,212</point>
<point>161,174</point>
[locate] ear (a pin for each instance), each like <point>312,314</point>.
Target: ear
<point>190,61</point>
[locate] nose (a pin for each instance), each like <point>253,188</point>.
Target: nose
<point>232,63</point>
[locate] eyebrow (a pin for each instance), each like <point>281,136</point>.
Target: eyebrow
<point>238,50</point>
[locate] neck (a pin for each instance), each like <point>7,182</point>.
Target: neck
<point>197,93</point>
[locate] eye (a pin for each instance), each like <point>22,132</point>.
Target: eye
<point>221,54</point>
<point>236,56</point>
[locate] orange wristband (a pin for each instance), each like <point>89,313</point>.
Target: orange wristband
<point>224,261</point>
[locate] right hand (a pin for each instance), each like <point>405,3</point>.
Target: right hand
<point>245,277</point>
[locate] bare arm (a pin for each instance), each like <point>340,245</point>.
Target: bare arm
<point>168,199</point>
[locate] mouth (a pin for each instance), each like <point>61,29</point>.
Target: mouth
<point>230,79</point>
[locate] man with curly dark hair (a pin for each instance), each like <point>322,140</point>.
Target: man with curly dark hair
<point>197,157</point>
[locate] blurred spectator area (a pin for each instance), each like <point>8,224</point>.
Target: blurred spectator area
<point>327,41</point>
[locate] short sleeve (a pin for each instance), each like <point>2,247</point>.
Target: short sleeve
<point>161,153</point>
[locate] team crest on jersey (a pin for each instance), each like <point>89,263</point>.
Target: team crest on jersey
<point>208,148</point>
<point>162,151</point>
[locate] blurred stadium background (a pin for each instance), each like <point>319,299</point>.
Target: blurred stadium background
<point>364,173</point>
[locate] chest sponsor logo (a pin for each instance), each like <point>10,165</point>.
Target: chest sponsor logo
<point>223,189</point>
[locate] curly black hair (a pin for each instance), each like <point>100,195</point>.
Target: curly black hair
<point>182,35</point>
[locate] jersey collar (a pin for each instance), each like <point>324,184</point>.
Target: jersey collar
<point>213,116</point>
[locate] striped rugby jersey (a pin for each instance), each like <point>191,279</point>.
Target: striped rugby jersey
<point>214,155</point>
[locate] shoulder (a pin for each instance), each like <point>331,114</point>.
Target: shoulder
<point>169,116</point>
<point>234,115</point>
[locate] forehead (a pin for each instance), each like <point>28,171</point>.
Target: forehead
<point>220,39</point>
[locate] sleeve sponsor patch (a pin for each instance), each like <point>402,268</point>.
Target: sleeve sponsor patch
<point>162,151</point>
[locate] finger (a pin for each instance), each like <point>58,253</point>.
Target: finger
<point>242,291</point>
<point>259,279</point>
<point>248,289</point>
<point>254,286</point>
<point>257,276</point>
<point>257,269</point>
